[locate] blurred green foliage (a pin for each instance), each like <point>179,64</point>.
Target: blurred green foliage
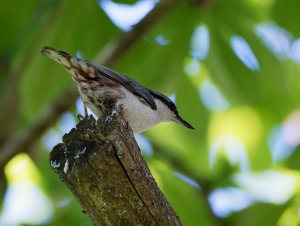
<point>242,101</point>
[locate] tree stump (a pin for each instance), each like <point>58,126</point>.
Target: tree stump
<point>102,165</point>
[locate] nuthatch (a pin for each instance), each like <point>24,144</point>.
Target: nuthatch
<point>102,88</point>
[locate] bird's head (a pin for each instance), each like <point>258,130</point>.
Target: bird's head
<point>59,56</point>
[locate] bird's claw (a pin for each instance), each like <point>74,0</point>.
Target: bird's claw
<point>80,117</point>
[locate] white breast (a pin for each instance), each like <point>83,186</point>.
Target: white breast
<point>140,116</point>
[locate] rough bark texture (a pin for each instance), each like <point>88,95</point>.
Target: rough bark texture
<point>102,165</point>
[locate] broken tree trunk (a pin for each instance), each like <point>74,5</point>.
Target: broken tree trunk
<point>101,164</point>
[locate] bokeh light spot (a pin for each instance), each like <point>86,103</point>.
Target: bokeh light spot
<point>275,38</point>
<point>233,149</point>
<point>126,16</point>
<point>200,43</point>
<point>279,147</point>
<point>268,186</point>
<point>192,68</point>
<point>24,201</point>
<point>211,97</point>
<point>244,52</point>
<point>291,129</point>
<point>224,201</point>
<point>243,123</point>
<point>144,144</point>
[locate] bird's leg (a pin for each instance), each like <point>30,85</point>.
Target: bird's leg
<point>85,110</point>
<point>80,117</point>
<point>120,110</point>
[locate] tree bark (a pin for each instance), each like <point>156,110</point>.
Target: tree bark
<point>102,165</point>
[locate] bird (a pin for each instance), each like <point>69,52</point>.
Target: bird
<point>102,88</point>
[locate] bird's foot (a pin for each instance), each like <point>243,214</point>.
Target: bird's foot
<point>80,117</point>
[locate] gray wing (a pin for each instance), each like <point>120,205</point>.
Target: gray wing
<point>131,85</point>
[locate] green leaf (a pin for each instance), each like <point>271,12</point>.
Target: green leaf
<point>286,14</point>
<point>14,20</point>
<point>260,215</point>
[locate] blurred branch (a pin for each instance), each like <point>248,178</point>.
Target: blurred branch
<point>102,165</point>
<point>23,140</point>
<point>10,103</point>
<point>206,186</point>
<point>108,56</point>
<point>204,4</point>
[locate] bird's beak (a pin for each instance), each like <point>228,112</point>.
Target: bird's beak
<point>181,121</point>
<point>58,56</point>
